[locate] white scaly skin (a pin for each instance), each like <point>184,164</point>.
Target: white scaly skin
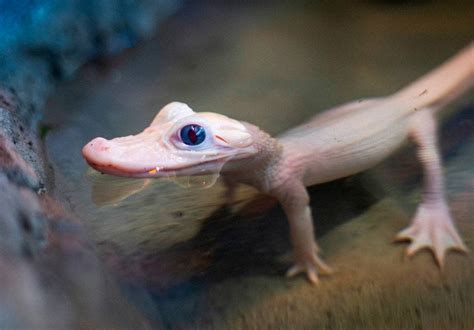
<point>340,142</point>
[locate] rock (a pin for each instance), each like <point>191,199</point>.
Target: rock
<point>50,276</point>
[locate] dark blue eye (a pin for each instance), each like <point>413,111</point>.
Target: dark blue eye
<point>192,135</point>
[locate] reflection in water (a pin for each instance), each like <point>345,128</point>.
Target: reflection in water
<point>190,261</point>
<point>111,190</point>
<point>102,192</point>
<point>199,181</point>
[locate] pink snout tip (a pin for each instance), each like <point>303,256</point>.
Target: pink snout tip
<point>95,148</point>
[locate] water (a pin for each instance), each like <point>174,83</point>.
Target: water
<point>188,259</point>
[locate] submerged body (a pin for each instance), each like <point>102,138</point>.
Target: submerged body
<point>340,142</point>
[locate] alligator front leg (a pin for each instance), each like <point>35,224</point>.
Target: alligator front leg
<point>432,226</point>
<point>295,202</point>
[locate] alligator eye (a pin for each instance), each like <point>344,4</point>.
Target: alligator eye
<point>192,135</point>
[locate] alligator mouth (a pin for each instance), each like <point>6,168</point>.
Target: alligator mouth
<point>209,167</point>
<point>123,172</point>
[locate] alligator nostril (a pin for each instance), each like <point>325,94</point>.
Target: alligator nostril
<point>99,144</point>
<point>95,147</point>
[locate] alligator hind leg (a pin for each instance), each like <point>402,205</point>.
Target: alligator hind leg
<point>432,226</point>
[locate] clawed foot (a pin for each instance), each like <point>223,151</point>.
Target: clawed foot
<point>310,264</point>
<point>432,228</point>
